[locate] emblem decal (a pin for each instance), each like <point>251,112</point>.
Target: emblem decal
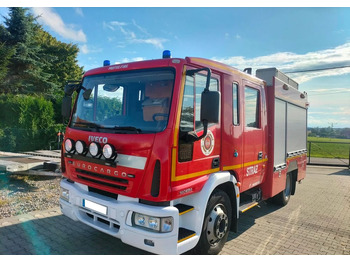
<point>207,143</point>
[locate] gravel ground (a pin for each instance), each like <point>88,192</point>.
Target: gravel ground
<point>20,194</point>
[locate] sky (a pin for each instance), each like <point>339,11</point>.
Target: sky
<point>288,38</point>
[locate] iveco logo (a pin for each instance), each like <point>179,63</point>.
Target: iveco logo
<point>98,139</point>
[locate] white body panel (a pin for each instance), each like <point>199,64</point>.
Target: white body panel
<point>119,213</point>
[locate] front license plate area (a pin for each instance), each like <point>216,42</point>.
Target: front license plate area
<point>95,207</point>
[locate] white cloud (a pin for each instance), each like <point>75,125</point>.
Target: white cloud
<point>79,11</point>
<point>131,36</point>
<point>128,60</point>
<point>323,91</point>
<point>48,17</point>
<point>87,50</point>
<point>290,62</point>
<point>157,42</point>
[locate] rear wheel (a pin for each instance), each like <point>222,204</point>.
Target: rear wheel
<point>283,197</point>
<point>216,225</point>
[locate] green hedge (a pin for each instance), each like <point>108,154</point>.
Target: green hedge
<point>27,123</point>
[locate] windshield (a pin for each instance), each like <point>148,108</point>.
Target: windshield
<point>126,102</point>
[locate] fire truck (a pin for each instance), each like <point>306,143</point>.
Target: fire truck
<point>166,154</point>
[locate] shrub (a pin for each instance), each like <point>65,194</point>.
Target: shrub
<point>26,123</point>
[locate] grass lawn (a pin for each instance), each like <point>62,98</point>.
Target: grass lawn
<point>329,147</point>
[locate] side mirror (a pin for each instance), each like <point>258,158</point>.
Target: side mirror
<point>69,89</point>
<point>210,106</point>
<point>66,106</point>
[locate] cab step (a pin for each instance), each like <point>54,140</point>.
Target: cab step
<point>245,207</point>
<point>183,209</point>
<point>185,234</point>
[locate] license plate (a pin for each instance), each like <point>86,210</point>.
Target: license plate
<point>95,207</point>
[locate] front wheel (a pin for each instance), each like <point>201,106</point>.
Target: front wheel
<point>216,225</point>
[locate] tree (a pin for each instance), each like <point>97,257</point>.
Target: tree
<point>33,61</point>
<point>24,74</point>
<point>60,62</point>
<point>5,53</point>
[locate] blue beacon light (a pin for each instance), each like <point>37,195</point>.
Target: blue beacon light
<point>106,63</point>
<point>166,54</point>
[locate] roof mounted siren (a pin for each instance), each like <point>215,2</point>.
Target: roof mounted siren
<point>106,63</point>
<point>166,54</point>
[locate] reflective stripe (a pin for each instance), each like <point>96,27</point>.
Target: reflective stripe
<point>244,164</point>
<point>136,162</point>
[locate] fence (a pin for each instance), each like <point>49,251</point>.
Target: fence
<point>329,153</point>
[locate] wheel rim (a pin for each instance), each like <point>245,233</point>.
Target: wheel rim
<point>217,224</point>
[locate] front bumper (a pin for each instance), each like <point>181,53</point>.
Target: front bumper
<point>118,220</point>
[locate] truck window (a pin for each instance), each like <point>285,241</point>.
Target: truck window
<point>191,105</point>
<point>109,103</point>
<point>122,102</point>
<point>251,107</point>
<point>235,104</point>
<point>187,112</point>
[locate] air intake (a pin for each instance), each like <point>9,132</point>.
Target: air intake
<point>156,180</point>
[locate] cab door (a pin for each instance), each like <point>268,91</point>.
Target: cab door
<point>232,145</point>
<point>253,136</point>
<point>202,157</point>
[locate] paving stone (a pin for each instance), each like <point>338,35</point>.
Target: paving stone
<point>316,221</point>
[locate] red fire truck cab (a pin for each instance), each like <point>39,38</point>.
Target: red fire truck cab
<point>165,154</point>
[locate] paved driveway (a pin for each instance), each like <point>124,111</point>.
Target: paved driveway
<point>316,221</point>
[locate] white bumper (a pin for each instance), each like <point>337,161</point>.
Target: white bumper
<point>118,221</point>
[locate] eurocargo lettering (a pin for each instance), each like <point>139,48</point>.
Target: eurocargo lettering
<point>166,154</point>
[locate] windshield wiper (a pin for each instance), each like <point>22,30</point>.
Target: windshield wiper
<point>87,125</point>
<point>128,128</point>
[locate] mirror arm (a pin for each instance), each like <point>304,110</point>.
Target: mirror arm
<point>76,86</point>
<point>205,129</point>
<point>193,71</point>
<point>191,137</point>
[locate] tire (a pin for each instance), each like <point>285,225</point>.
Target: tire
<point>283,197</point>
<point>216,225</point>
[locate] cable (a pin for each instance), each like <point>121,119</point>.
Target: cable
<point>319,69</point>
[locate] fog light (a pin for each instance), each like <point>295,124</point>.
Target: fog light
<point>108,151</point>
<point>64,194</point>
<point>148,242</point>
<point>94,149</point>
<point>80,147</point>
<point>69,145</point>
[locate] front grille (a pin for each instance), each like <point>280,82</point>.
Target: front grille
<point>99,179</point>
<point>102,192</point>
<point>101,221</point>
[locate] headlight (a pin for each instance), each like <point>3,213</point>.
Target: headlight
<point>64,194</point>
<point>80,147</point>
<point>69,145</point>
<point>94,149</point>
<point>159,224</point>
<point>108,151</point>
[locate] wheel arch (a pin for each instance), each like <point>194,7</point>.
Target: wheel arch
<point>224,181</point>
<point>293,170</point>
<point>229,189</point>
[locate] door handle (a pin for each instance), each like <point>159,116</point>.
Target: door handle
<point>260,155</point>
